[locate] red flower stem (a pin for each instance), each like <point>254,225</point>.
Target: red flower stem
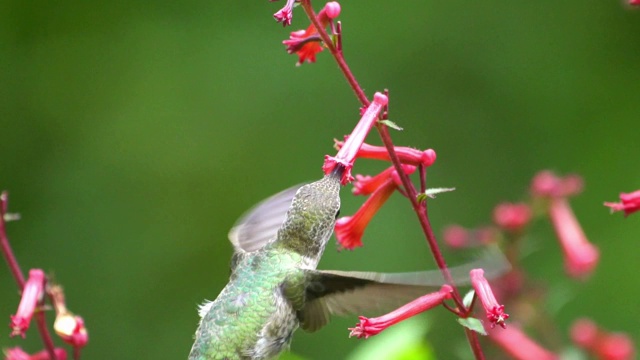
<point>420,210</point>
<point>12,262</point>
<point>9,257</point>
<point>308,9</point>
<point>41,321</point>
<point>423,178</point>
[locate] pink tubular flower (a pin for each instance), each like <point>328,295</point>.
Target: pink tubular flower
<point>369,327</point>
<point>604,345</point>
<point>31,294</point>
<point>365,184</point>
<point>17,353</point>
<point>634,2</point>
<point>512,217</point>
<point>456,236</point>
<point>629,203</point>
<point>68,326</point>
<point>285,15</point>
<point>495,312</point>
<point>580,256</point>
<point>347,154</point>
<point>406,155</point>
<point>306,43</point>
<point>517,344</point>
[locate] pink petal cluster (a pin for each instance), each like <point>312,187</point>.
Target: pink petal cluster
<point>457,237</point>
<point>373,326</point>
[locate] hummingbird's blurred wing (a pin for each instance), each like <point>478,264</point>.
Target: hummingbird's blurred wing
<point>260,224</point>
<point>352,292</point>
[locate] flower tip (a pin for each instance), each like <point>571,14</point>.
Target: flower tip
<point>582,261</point>
<point>380,99</point>
<point>584,333</point>
<point>346,233</point>
<point>332,9</point>
<point>512,217</point>
<point>428,157</point>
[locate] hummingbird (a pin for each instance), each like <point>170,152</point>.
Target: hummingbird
<point>274,286</point>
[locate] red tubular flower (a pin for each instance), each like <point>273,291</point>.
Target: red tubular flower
<point>349,229</point>
<point>369,327</point>
<point>634,2</point>
<point>517,344</point>
<point>306,43</point>
<point>629,203</point>
<point>512,217</point>
<point>406,155</point>
<point>365,184</point>
<point>17,353</point>
<point>495,312</point>
<point>580,256</point>
<point>347,154</point>
<point>31,294</point>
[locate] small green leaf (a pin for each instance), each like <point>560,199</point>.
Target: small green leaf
<point>433,191</point>
<point>390,124</point>
<point>421,197</point>
<point>468,298</point>
<point>473,324</point>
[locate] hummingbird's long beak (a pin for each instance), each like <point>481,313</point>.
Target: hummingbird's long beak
<point>338,171</point>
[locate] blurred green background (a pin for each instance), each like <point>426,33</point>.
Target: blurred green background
<point>134,133</point>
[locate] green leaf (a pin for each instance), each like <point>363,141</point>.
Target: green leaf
<point>474,324</point>
<point>468,298</point>
<point>390,124</point>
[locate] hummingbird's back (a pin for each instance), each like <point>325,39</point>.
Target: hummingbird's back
<point>250,319</point>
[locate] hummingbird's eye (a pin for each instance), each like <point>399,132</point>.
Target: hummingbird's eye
<point>337,213</point>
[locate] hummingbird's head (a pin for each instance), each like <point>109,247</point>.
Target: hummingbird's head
<point>312,216</point>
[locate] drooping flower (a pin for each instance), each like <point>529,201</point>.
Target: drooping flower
<point>349,229</point>
<point>347,154</point>
<point>512,217</point>
<point>373,326</point>
<point>457,237</point>
<point>307,43</point>
<point>495,312</point>
<point>31,295</point>
<point>520,346</point>
<point>285,14</point>
<point>580,256</point>
<point>629,203</point>
<point>407,155</point>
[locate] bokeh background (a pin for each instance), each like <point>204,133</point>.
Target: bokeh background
<point>134,133</point>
